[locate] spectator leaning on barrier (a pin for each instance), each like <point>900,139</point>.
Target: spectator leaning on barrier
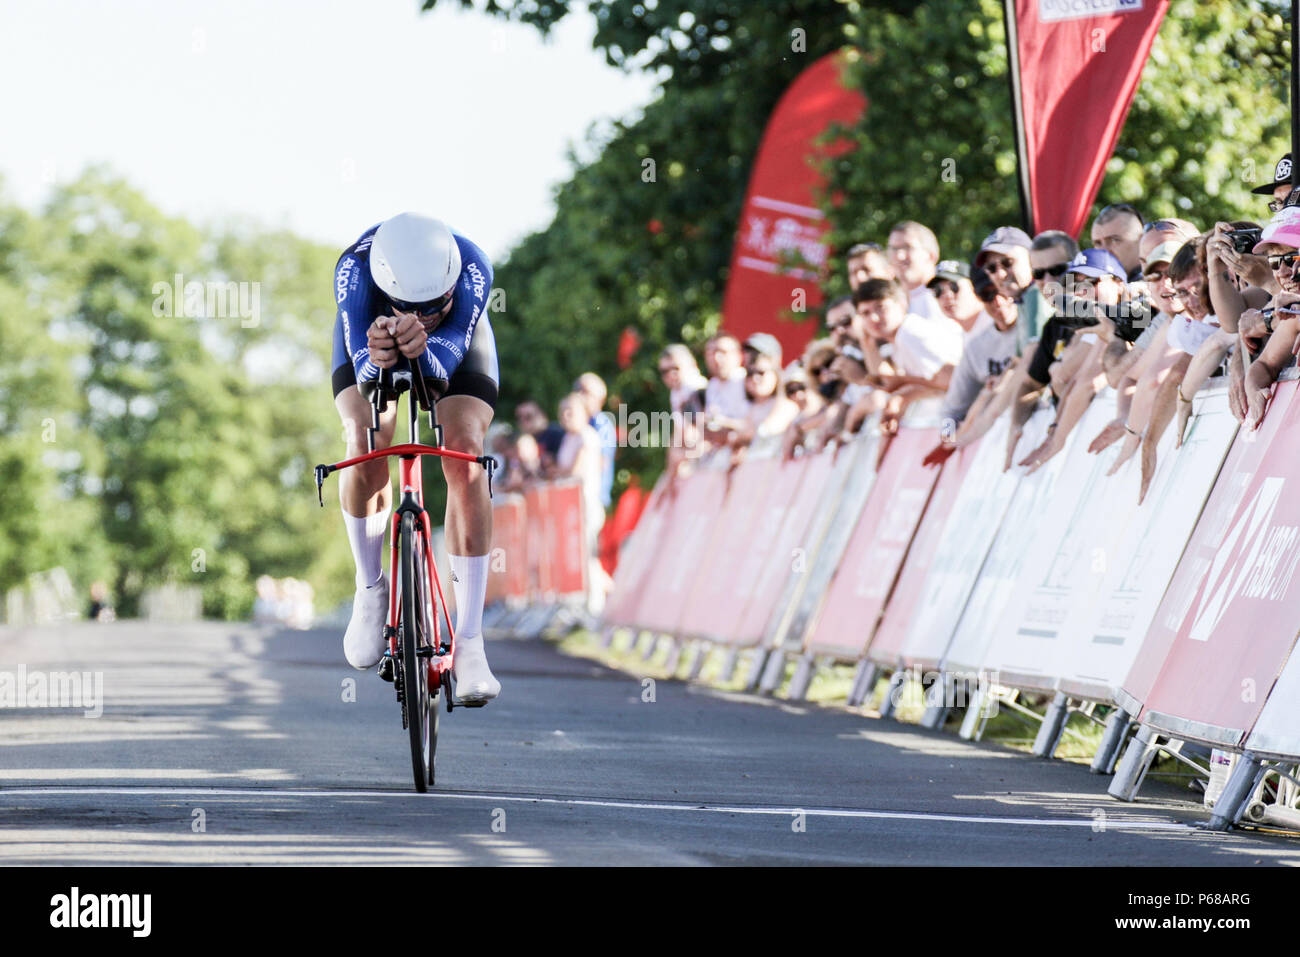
<point>1049,254</point>
<point>923,352</point>
<point>1095,278</point>
<point>867,261</point>
<point>681,376</point>
<point>724,395</point>
<point>984,360</point>
<point>822,419</point>
<point>913,255</point>
<point>592,389</point>
<point>770,412</point>
<point>1004,256</point>
<point>955,294</point>
<point>1280,242</point>
<point>580,458</point>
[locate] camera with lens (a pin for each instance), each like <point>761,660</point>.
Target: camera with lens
<point>1244,240</point>
<point>1130,318</point>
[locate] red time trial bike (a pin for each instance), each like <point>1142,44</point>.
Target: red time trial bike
<point>418,661</point>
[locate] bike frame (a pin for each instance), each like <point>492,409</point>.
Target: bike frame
<point>412,500</point>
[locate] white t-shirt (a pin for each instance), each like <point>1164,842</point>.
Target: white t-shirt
<point>726,398</point>
<point>921,302</point>
<point>1190,334</point>
<point>570,446</point>
<point>982,321</point>
<point>923,346</point>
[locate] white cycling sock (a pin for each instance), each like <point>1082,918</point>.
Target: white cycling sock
<point>367,538</point>
<point>469,579</point>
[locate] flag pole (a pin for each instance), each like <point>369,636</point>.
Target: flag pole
<point>1017,114</point>
<point>1295,93</point>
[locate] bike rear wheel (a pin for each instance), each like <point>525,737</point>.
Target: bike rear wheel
<point>421,715</point>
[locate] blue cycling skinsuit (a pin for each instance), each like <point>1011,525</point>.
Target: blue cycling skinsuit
<point>461,350</point>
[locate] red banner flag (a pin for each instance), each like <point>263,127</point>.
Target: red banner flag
<point>779,249</point>
<point>1075,65</point>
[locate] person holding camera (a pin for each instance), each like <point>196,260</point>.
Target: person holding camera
<point>1280,243</point>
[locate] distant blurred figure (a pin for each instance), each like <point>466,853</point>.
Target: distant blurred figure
<point>100,609</point>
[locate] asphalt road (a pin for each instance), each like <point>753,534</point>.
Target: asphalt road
<point>240,744</point>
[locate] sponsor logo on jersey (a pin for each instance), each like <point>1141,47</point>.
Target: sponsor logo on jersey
<point>342,278</point>
<point>450,346</point>
<point>476,279</point>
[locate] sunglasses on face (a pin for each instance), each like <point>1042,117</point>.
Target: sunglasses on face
<point>755,373</point>
<point>794,389</point>
<point>1005,265</point>
<point>664,370</point>
<point>946,288</point>
<point>425,309</point>
<point>1057,270</point>
<point>839,324</point>
<point>1283,261</point>
<point>1156,276</point>
<point>1084,282</point>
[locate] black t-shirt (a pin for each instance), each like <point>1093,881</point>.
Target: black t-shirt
<point>1056,336</point>
<point>550,438</point>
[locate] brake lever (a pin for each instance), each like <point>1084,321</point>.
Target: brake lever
<point>490,465</point>
<point>321,472</point>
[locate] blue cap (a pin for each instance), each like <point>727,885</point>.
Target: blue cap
<point>1097,263</point>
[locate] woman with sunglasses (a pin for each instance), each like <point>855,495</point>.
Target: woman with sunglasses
<point>770,411</point>
<point>1280,242</point>
<point>411,288</point>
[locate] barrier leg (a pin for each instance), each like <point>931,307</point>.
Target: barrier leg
<point>864,680</point>
<point>728,669</point>
<point>606,637</point>
<point>936,702</point>
<point>1133,766</point>
<point>773,672</point>
<point>1236,793</point>
<point>756,662</point>
<point>803,676</point>
<point>1117,725</point>
<point>894,693</point>
<point>674,657</point>
<point>697,660</point>
<point>650,648</point>
<point>972,724</point>
<point>1053,726</point>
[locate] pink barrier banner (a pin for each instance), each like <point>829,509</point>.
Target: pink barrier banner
<point>566,538</point>
<point>874,555</point>
<point>507,560</point>
<point>1229,620</point>
<point>1277,731</point>
<point>665,590</point>
<point>780,538</point>
<point>887,644</point>
<point>535,544</point>
<point>637,558</point>
<point>715,600</point>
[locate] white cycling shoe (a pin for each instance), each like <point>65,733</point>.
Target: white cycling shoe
<point>363,643</point>
<point>474,680</point>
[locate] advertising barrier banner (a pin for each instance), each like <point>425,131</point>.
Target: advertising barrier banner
<point>1232,639</point>
<point>1215,538</point>
<point>638,557</point>
<point>976,516</point>
<point>1122,587</point>
<point>535,543</point>
<point>874,554</point>
<point>1277,731</point>
<point>507,560</point>
<point>566,538</point>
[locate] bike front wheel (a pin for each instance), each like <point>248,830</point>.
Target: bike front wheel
<point>421,714</point>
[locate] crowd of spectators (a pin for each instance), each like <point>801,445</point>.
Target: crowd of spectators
<point>1151,309</point>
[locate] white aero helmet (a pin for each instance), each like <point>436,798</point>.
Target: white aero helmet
<point>414,259</point>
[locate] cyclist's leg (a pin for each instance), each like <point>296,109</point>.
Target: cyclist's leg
<point>365,497</point>
<point>465,413</point>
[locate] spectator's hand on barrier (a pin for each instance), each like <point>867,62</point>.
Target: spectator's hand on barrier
<point>382,343</point>
<point>1237,386</point>
<point>889,420</point>
<point>1013,439</point>
<point>1257,401</point>
<point>1112,433</point>
<point>1131,443</point>
<point>1180,420</point>
<point>938,455</point>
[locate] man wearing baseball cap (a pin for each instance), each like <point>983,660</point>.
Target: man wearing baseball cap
<point>1005,255</point>
<point>952,289</point>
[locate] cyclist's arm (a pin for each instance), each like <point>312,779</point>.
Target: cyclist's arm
<point>449,342</point>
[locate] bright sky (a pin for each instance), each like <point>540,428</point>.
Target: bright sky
<point>323,117</point>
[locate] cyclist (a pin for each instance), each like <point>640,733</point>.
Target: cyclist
<point>412,287</point>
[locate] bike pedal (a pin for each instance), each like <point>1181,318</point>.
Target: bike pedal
<point>472,702</point>
<point>386,669</point>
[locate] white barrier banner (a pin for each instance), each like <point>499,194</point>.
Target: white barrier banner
<point>1107,622</point>
<point>981,503</point>
<point>1034,499</point>
<point>1277,730</point>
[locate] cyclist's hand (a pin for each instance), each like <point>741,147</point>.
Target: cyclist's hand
<point>409,333</point>
<point>382,345</point>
